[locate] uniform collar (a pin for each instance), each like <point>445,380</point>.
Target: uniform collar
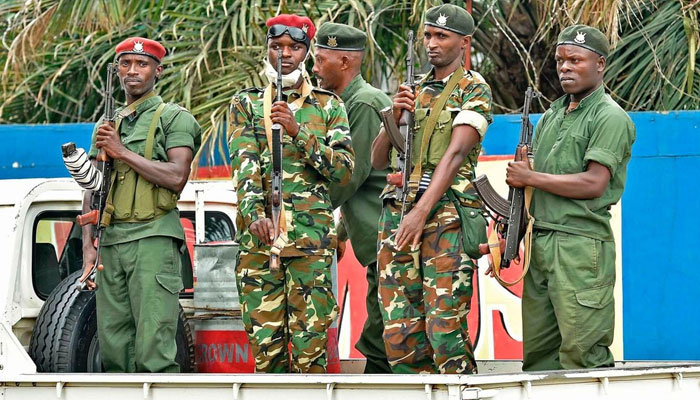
<point>352,88</point>
<point>594,97</point>
<point>136,108</point>
<point>430,80</point>
<point>295,93</point>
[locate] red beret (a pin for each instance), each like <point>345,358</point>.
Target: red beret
<point>142,46</point>
<point>303,23</point>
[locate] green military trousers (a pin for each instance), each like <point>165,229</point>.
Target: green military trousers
<point>293,306</point>
<point>426,295</point>
<point>137,305</point>
<point>371,344</point>
<point>568,308</point>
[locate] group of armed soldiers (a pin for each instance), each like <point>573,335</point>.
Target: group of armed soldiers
<point>300,151</point>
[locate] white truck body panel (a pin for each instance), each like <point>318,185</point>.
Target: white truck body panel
<point>660,382</point>
<point>22,200</point>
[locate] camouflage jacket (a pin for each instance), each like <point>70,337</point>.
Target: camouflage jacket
<point>320,154</point>
<point>468,104</point>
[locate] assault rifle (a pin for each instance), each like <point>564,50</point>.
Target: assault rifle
<point>510,214</point>
<point>276,194</point>
<point>101,213</point>
<point>401,136</point>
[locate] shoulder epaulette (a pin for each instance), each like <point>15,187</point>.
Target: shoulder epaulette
<point>476,77</point>
<point>322,96</point>
<point>252,89</point>
<point>176,107</point>
<point>326,92</point>
<point>236,103</point>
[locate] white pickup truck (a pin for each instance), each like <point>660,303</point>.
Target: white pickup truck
<point>49,348</point>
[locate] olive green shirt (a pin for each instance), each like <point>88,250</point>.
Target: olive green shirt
<point>176,128</point>
<point>359,200</point>
<point>599,130</point>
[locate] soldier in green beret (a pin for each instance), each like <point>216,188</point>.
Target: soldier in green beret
<point>582,146</point>
<point>425,259</point>
<point>338,58</point>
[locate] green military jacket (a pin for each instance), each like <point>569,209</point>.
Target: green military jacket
<point>320,154</point>
<point>176,128</point>
<point>468,104</point>
<point>359,201</point>
<point>599,130</point>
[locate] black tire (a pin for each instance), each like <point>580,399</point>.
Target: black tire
<point>65,334</point>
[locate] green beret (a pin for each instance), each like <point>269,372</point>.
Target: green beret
<point>450,17</point>
<point>585,36</point>
<point>340,37</point>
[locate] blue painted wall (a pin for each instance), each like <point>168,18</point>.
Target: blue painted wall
<point>661,233</point>
<point>661,239</point>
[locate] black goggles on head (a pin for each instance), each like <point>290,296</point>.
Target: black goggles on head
<point>295,33</point>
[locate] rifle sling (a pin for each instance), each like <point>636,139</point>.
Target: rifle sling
<point>495,245</point>
<point>267,107</point>
<point>435,111</point>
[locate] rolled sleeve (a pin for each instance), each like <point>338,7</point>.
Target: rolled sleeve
<point>184,132</point>
<point>611,140</point>
<point>476,108</point>
<point>604,157</point>
<point>473,119</point>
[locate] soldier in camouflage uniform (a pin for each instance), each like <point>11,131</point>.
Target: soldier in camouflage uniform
<point>295,304</point>
<point>425,259</point>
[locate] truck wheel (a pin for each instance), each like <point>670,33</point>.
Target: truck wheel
<point>65,334</point>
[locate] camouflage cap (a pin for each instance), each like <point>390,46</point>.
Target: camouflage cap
<point>585,36</point>
<point>340,37</point>
<point>450,17</point>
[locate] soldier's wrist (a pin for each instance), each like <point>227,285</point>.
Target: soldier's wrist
<point>254,217</point>
<point>301,138</point>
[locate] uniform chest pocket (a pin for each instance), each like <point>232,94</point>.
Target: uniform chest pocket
<point>123,191</point>
<point>442,133</point>
<point>314,227</point>
<point>570,150</point>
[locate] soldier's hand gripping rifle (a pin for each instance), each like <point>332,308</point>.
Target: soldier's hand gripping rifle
<point>511,216</point>
<point>401,136</point>
<point>276,194</point>
<point>101,212</point>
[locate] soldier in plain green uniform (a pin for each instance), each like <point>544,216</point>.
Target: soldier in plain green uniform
<point>582,146</point>
<point>152,144</point>
<point>338,59</point>
<point>293,306</point>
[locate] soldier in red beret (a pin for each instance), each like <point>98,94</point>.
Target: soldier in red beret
<point>151,145</point>
<point>293,305</point>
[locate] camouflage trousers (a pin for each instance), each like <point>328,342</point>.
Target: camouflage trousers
<point>426,295</point>
<point>293,307</point>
